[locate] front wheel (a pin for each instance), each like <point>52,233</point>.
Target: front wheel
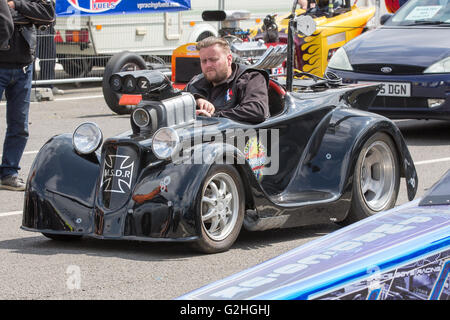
<point>376,178</point>
<point>220,209</point>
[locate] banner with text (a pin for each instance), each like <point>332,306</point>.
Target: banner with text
<point>107,7</point>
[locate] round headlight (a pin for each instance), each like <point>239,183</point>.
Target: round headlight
<point>141,117</point>
<point>165,143</point>
<point>87,138</point>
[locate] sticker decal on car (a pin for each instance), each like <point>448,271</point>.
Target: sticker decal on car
<point>117,174</point>
<point>255,153</point>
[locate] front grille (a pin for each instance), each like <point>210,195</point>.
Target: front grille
<point>120,167</point>
<point>398,102</point>
<point>396,69</point>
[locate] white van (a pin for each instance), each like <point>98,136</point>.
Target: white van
<point>85,41</point>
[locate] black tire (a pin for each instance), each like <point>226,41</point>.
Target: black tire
<point>376,178</point>
<point>123,61</point>
<point>204,35</point>
<point>62,237</point>
<point>229,209</point>
<point>76,67</point>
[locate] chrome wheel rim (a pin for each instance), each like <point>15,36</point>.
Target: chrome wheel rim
<point>219,206</point>
<point>377,176</point>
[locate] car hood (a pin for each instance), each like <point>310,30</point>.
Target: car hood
<point>400,45</point>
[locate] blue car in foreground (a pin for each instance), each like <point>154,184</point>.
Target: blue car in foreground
<point>410,56</point>
<point>399,254</point>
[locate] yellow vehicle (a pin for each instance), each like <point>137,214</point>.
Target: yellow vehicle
<point>336,25</point>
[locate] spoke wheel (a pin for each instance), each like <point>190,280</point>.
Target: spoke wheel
<point>220,206</point>
<point>220,209</point>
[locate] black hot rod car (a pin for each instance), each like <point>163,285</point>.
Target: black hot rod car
<point>176,176</point>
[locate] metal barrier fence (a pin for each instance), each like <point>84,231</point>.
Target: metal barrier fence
<point>53,68</point>
<point>78,52</point>
<point>77,48</point>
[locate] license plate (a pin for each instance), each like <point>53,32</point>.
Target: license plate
<point>395,89</point>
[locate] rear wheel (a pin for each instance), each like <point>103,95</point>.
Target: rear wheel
<point>376,178</point>
<point>220,209</point>
<point>76,67</point>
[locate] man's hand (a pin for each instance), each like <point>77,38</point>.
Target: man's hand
<point>11,4</point>
<point>205,105</point>
<point>203,113</point>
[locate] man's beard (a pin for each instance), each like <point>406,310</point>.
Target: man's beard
<point>218,76</point>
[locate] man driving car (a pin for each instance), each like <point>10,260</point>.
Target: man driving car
<point>227,89</point>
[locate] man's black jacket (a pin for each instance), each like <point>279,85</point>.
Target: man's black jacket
<point>242,97</point>
<point>6,24</point>
<point>22,44</point>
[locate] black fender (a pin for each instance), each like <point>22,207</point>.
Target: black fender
<point>325,172</point>
<point>172,190</point>
<point>65,195</point>
<point>66,192</point>
<point>334,148</point>
<point>60,192</point>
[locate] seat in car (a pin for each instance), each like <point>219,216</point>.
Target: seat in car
<point>276,98</point>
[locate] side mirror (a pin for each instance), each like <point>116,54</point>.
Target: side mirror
<point>385,17</point>
<point>306,25</point>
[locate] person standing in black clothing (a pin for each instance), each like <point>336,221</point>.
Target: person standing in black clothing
<point>6,25</point>
<point>226,89</point>
<point>16,73</point>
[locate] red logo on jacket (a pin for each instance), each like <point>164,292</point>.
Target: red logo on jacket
<point>229,95</point>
